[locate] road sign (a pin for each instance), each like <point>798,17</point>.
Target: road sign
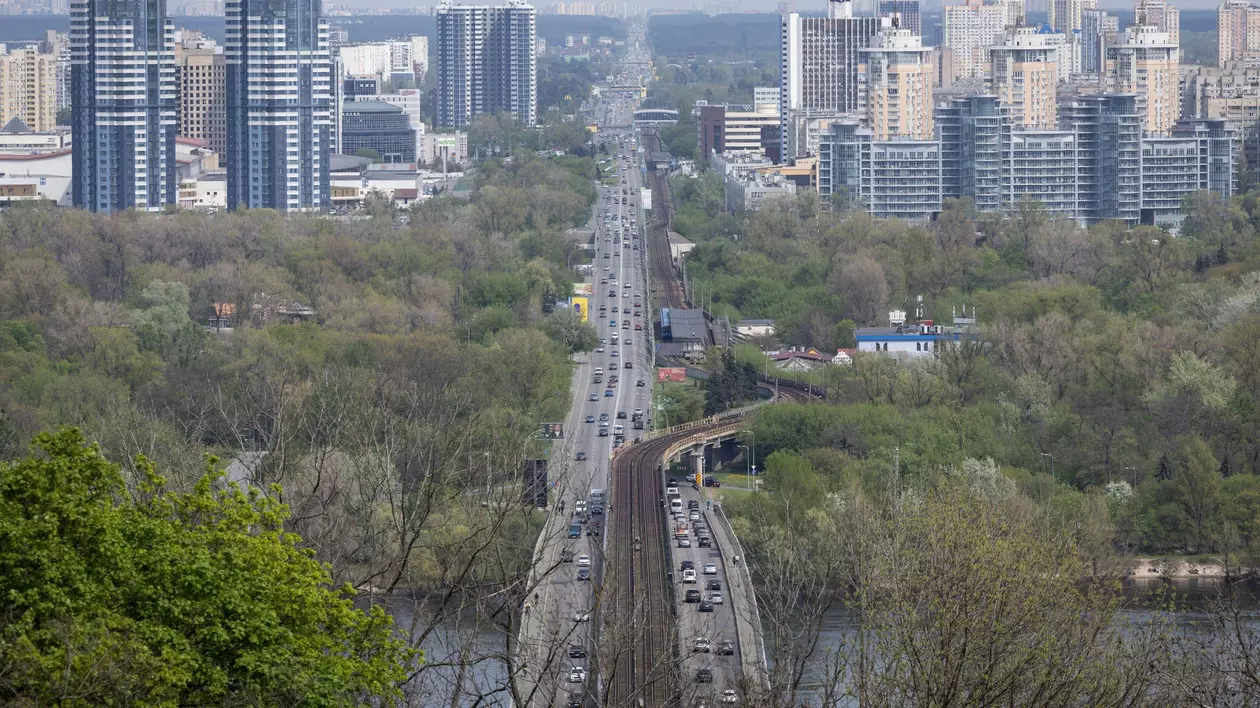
<point>671,373</point>
<point>553,431</point>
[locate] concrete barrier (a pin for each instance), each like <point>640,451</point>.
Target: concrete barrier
<point>752,645</point>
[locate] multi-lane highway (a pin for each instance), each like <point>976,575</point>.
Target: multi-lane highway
<point>611,388</point>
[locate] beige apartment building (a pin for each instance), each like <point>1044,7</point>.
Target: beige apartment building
<point>1025,76</point>
<point>28,89</point>
<point>1160,15</point>
<point>898,74</point>
<point>1237,31</point>
<point>967,32</point>
<point>201,80</point>
<point>1144,62</point>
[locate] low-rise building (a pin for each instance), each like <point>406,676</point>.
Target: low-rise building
<point>36,177</point>
<point>755,327</point>
<point>750,193</point>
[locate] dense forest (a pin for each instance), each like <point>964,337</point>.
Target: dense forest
<point>1111,361</point>
<point>375,380</point>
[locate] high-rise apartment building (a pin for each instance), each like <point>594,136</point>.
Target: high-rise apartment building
<point>28,88</point>
<point>1025,75</point>
<point>968,31</point>
<point>1144,62</point>
<point>819,60</point>
<point>1095,166</point>
<point>1160,15</point>
<point>58,44</point>
<point>1098,29</point>
<point>201,78</point>
<point>279,105</point>
<point>899,75</point>
<point>906,12</point>
<point>486,62</point>
<point>123,94</point>
<point>1237,31</point>
<point>1065,15</point>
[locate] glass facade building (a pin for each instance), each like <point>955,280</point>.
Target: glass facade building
<point>123,92</point>
<point>280,105</point>
<point>1097,166</point>
<point>378,126</point>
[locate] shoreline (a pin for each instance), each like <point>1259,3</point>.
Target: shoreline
<point>1177,569</point>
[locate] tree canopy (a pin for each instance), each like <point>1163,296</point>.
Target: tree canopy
<point>160,598</point>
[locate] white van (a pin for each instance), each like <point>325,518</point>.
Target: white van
<point>675,504</point>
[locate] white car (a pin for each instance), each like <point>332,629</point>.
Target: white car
<point>702,645</point>
<point>581,616</point>
<point>577,674</point>
<point>715,598</point>
<point>689,576</point>
<point>729,696</point>
<point>710,569</point>
<point>584,561</point>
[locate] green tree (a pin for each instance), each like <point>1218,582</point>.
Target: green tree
<point>567,329</point>
<point>369,153</point>
<point>160,598</point>
<point>162,325</point>
<point>1200,485</point>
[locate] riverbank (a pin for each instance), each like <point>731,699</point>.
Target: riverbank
<point>1183,568</point>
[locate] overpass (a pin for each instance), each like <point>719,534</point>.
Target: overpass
<point>655,116</point>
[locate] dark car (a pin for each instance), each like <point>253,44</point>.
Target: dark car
<point>692,596</point>
<point>688,565</point>
<point>621,415</point>
<point>726,648</point>
<point>714,585</point>
<point>580,457</point>
<point>603,432</point>
<point>671,482</point>
<point>706,606</point>
<point>640,384</point>
<point>705,542</point>
<point>577,651</point>
<point>712,482</point>
<point>704,676</point>
<point>629,365</point>
<point>693,503</point>
<point>590,419</point>
<point>584,574</point>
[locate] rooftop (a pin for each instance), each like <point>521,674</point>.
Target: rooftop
<point>371,107</point>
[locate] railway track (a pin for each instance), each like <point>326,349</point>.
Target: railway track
<point>640,618</point>
<point>669,290</point>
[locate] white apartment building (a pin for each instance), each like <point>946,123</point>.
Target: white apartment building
<point>968,31</point>
<point>1237,31</point>
<point>1065,15</point>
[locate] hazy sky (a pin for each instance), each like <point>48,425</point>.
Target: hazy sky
<point>764,5</point>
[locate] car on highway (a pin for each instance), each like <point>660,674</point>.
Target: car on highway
<point>577,651</point>
<point>706,607</point>
<point>582,616</point>
<point>714,584</point>
<point>575,701</point>
<point>566,556</point>
<point>710,569</point>
<point>577,674</point>
<point>584,561</point>
<point>590,419</point>
<point>687,565</point>
<point>704,676</point>
<point>575,530</point>
<point>594,397</point>
<point>701,645</point>
<point>608,393</point>
<point>615,353</point>
<point>580,457</point>
<point>584,574</point>
<point>628,365</point>
<point>715,598</point>
<point>694,515</point>
<point>689,576</point>
<point>692,596</point>
<point>621,415</point>
<point>726,648</point>
<point>730,696</point>
<point>640,383</point>
<point>599,349</point>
